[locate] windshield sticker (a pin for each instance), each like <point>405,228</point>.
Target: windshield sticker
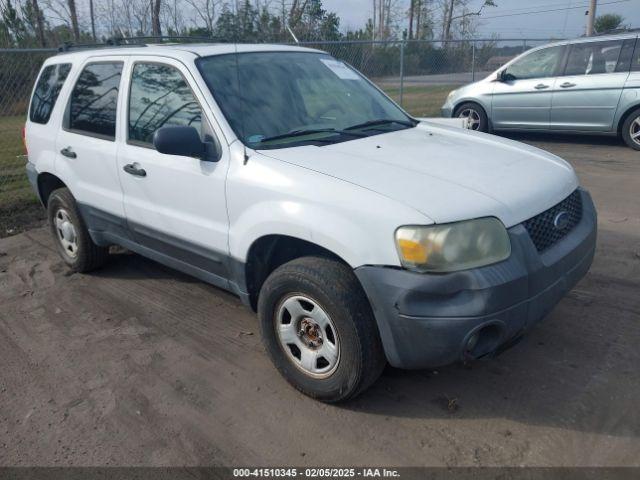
<point>340,69</point>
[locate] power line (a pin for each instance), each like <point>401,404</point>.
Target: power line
<point>550,10</point>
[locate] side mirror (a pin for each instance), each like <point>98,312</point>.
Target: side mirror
<point>184,141</point>
<point>504,76</point>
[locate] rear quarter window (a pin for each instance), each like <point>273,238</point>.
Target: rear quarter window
<point>47,90</point>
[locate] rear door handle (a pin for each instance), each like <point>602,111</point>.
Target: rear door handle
<point>567,85</point>
<point>134,169</point>
<point>541,86</point>
<point>68,152</point>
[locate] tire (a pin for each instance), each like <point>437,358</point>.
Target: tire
<point>349,329</point>
<point>71,235</point>
<point>476,113</point>
<point>631,127</point>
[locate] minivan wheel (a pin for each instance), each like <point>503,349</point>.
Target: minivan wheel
<point>631,130</point>
<point>319,330</point>
<point>475,115</point>
<point>71,235</point>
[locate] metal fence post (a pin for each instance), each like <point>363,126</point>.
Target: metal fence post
<point>473,61</point>
<point>404,39</point>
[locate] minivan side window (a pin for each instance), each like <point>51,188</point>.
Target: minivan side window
<point>47,90</point>
<point>159,97</point>
<point>635,61</point>
<point>593,58</point>
<point>539,64</point>
<point>94,100</point>
<point>624,61</point>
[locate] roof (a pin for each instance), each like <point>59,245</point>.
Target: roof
<point>181,50</point>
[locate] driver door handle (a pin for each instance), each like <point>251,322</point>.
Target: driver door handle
<point>135,170</point>
<point>68,152</point>
<point>567,85</point>
<point>541,86</point>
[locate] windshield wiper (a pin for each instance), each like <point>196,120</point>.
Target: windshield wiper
<point>381,121</point>
<point>311,131</point>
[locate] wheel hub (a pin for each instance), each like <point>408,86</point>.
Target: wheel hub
<point>68,232</point>
<point>310,333</point>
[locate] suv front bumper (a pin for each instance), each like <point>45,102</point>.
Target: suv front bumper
<point>431,320</point>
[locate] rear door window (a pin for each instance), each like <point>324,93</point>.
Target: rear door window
<point>624,62</point>
<point>93,104</point>
<point>635,60</point>
<point>47,90</point>
<point>593,58</point>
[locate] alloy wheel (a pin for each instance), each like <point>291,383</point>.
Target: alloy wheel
<point>472,116</point>
<point>634,130</point>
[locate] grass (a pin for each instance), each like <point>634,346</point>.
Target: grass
<point>19,208</point>
<point>422,101</point>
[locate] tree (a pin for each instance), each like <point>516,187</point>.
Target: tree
<point>206,11</point>
<point>449,14</point>
<point>39,22</point>
<point>156,5</point>
<point>73,15</point>
<point>607,22</point>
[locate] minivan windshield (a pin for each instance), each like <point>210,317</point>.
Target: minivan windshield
<point>284,99</point>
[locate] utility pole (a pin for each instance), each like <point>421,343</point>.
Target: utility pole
<point>591,17</point>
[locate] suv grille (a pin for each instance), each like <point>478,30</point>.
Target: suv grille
<point>548,227</point>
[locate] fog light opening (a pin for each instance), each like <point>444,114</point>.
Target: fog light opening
<point>483,342</point>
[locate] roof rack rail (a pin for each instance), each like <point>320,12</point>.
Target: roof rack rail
<point>137,41</point>
<point>161,38</point>
<point>615,31</point>
<point>69,46</point>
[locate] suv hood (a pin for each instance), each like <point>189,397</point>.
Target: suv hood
<point>447,174</point>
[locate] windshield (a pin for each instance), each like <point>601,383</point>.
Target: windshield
<point>284,99</point>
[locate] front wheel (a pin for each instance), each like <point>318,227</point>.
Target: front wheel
<point>319,329</point>
<point>475,115</point>
<point>631,130</point>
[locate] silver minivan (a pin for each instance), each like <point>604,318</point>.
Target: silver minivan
<point>589,85</point>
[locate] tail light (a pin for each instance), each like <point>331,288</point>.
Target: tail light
<point>24,140</point>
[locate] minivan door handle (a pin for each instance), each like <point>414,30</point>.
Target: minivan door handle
<point>541,86</point>
<point>134,169</point>
<point>68,152</point>
<point>567,85</point>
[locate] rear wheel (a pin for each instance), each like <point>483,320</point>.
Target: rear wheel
<point>319,329</point>
<point>631,130</point>
<point>475,115</point>
<point>71,235</point>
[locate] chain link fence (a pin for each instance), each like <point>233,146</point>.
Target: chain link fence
<point>416,74</point>
<point>19,208</point>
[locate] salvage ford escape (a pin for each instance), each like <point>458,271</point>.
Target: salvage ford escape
<point>360,235</point>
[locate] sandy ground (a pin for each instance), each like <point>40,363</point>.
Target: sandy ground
<point>140,365</point>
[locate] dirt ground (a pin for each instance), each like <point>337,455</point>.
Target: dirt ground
<point>140,365</point>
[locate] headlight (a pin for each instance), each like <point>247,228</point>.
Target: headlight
<point>451,94</point>
<point>453,246</point>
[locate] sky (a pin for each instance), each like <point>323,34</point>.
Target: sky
<point>512,18</point>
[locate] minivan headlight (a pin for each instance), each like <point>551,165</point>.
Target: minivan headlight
<point>453,246</point>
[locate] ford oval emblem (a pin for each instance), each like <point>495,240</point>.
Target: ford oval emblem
<point>561,220</point>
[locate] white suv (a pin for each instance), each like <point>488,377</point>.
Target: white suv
<point>359,234</point>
